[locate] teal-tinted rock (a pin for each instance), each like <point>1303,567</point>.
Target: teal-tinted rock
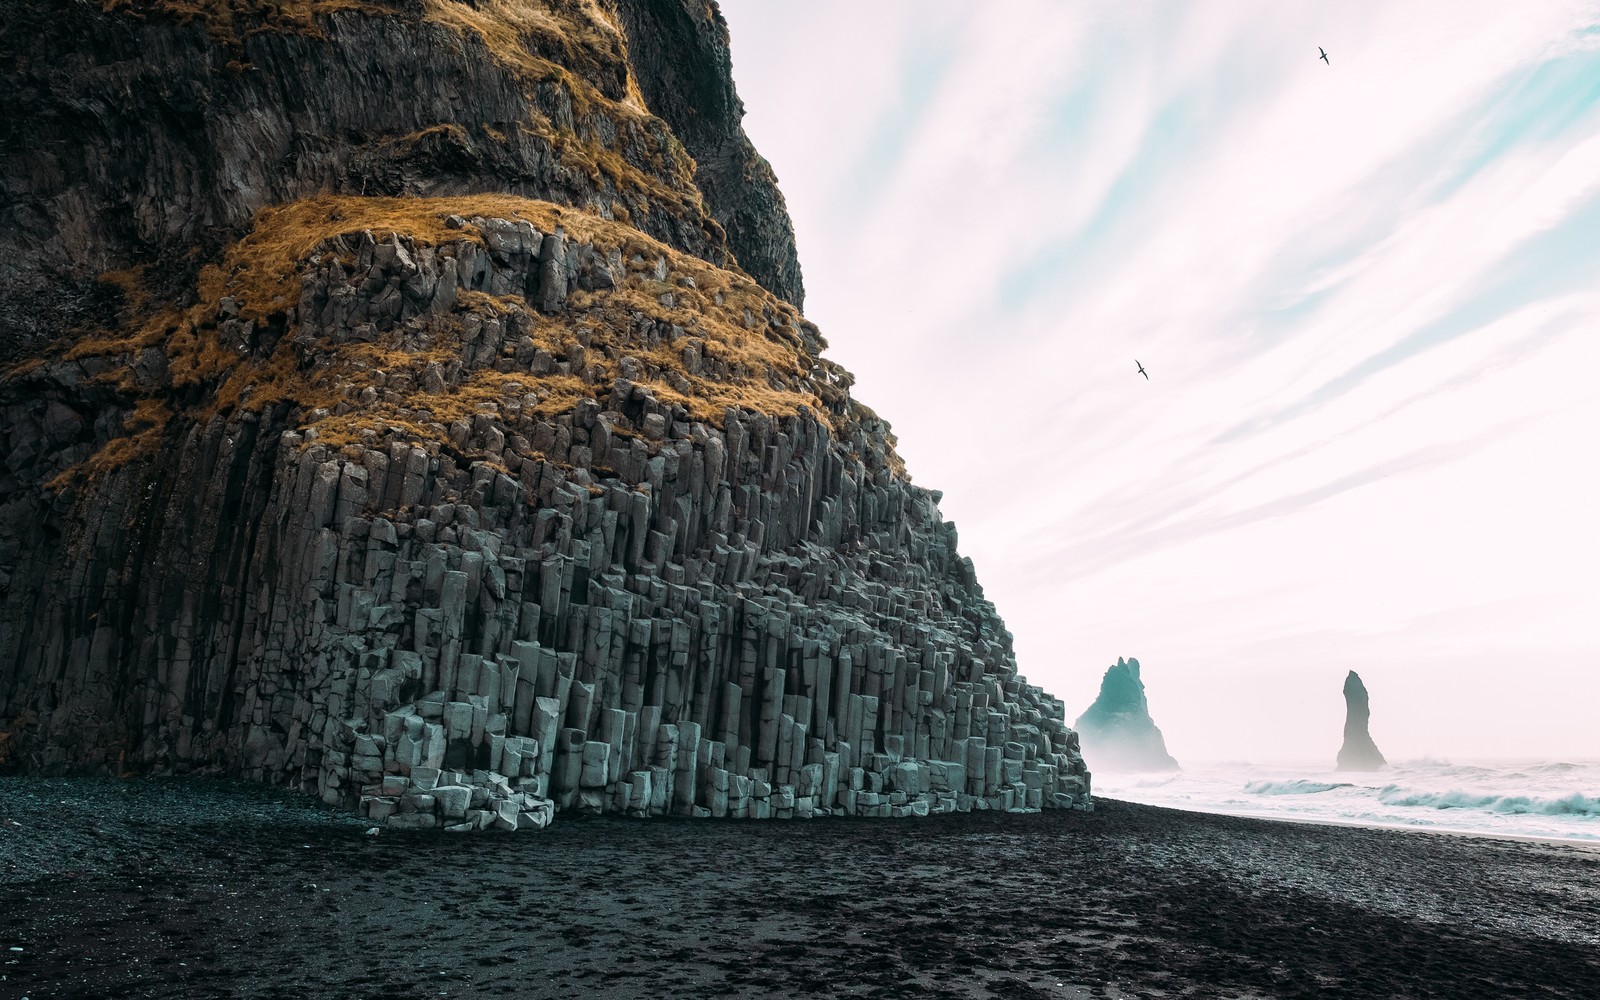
<point>1117,731</point>
<point>1359,753</point>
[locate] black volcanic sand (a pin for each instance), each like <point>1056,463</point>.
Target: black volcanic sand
<point>204,889</point>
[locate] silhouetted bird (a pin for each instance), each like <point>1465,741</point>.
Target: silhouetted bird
<point>1137,365</point>
<point>1323,56</point>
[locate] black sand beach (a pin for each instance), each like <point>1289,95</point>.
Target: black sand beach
<point>167,889</point>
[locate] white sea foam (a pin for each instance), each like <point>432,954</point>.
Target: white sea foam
<point>1576,804</point>
<point>1299,786</point>
<point>1532,798</point>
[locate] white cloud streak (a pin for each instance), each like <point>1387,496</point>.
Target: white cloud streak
<point>1365,294</point>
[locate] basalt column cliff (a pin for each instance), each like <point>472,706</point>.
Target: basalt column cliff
<point>394,406</point>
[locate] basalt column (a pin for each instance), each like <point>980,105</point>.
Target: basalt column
<point>387,414</point>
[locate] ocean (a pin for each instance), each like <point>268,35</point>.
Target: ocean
<point>1525,798</point>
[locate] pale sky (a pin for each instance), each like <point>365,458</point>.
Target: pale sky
<point>1365,293</point>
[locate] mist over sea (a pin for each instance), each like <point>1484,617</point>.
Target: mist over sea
<point>1558,799</point>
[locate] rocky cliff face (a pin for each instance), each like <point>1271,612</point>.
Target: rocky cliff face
<point>1358,753</point>
<point>679,51</point>
<point>392,413</point>
<point>1118,733</point>
<point>153,131</point>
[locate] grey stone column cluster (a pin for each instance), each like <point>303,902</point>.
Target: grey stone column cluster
<point>614,610</point>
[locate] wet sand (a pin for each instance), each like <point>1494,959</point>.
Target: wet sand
<point>199,889</point>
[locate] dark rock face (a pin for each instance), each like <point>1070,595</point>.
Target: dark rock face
<point>1117,732</point>
<point>1358,753</point>
<point>697,97</point>
<point>491,493</point>
<point>169,140</point>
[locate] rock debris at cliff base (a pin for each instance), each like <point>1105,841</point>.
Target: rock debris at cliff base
<point>461,510</point>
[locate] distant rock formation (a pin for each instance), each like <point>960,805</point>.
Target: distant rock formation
<point>1117,732</point>
<point>1359,753</point>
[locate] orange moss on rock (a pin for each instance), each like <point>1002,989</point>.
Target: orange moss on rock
<point>229,21</point>
<point>452,130</point>
<point>144,426</point>
<point>707,339</point>
<point>130,282</point>
<point>569,41</point>
<point>574,44</point>
<point>262,269</point>
<point>546,41</point>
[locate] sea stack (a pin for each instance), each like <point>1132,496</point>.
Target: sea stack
<point>1359,753</point>
<point>1117,731</point>
<point>410,403</point>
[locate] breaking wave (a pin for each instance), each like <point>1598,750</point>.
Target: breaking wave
<point>1575,804</point>
<point>1299,786</point>
<point>1558,767</point>
<point>1531,798</point>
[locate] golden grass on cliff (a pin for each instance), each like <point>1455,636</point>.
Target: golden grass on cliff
<point>573,44</point>
<point>707,339</point>
<point>755,359</point>
<point>262,269</point>
<point>541,40</point>
<point>143,427</point>
<point>453,130</point>
<point>564,41</point>
<point>130,282</point>
<point>228,21</point>
<point>141,326</point>
<point>484,303</point>
<point>750,354</point>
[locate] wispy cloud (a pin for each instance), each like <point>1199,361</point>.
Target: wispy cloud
<point>1366,293</point>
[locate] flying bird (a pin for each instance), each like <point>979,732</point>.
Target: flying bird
<point>1137,365</point>
<point>1323,56</point>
